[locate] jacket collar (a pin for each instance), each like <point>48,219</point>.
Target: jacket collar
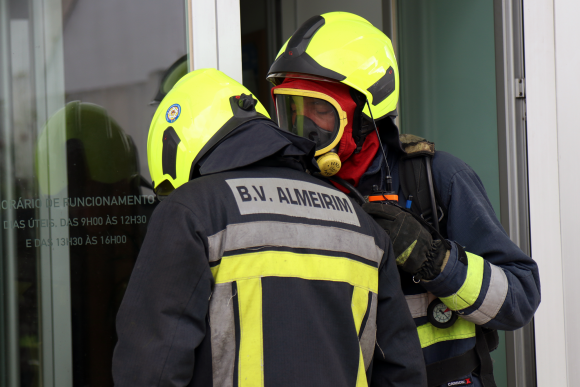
<point>256,141</point>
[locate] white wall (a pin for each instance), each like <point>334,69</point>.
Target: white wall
<point>567,29</point>
<point>552,61</point>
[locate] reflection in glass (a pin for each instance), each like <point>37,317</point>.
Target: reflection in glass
<point>106,219</point>
<point>76,80</point>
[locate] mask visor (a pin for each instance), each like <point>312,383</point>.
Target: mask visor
<point>312,115</point>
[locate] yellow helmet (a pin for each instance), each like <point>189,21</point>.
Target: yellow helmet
<point>343,47</point>
<point>198,112</point>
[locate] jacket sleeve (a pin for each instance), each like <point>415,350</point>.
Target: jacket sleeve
<point>162,318</point>
<point>494,283</point>
<point>398,358</point>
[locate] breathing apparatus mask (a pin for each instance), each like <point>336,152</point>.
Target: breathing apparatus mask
<point>316,116</point>
<point>330,114</point>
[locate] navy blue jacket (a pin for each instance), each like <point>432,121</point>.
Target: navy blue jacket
<point>499,288</point>
<point>258,274</point>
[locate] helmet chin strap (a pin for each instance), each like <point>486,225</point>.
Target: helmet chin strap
<point>388,177</point>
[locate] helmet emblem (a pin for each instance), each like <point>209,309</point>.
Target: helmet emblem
<point>173,113</point>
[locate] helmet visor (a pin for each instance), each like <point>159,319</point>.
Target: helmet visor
<point>311,115</point>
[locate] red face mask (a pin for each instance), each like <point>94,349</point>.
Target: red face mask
<point>353,165</point>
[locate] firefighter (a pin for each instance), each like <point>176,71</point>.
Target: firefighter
<point>335,80</point>
<point>253,272</point>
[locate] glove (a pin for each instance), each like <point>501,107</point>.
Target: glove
<point>416,251</point>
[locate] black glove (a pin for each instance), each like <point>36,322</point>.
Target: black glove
<point>416,251</point>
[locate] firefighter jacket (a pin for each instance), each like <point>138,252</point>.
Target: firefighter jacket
<point>498,288</point>
<point>264,276</point>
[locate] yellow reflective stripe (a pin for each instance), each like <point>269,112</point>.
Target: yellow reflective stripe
<point>251,356</point>
<point>405,254</point>
<point>214,270</point>
<point>361,377</point>
<point>360,300</point>
<point>469,291</point>
<point>289,264</point>
<point>429,335</point>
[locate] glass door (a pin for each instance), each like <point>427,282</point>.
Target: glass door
<point>78,79</point>
<point>447,62</point>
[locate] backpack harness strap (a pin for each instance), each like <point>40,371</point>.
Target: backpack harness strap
<point>417,180</point>
<point>477,361</point>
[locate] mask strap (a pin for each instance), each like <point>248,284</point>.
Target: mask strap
<point>388,178</point>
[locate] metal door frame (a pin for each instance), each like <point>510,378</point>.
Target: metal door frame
<point>47,70</point>
<point>513,167</point>
<point>214,36</point>
<point>9,346</point>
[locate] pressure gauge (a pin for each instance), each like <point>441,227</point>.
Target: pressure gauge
<point>439,315</point>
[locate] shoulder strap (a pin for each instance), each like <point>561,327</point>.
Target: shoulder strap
<point>416,180</point>
<point>416,146</point>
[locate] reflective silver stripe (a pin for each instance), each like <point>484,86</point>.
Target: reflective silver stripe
<point>294,235</point>
<point>223,335</point>
<point>494,298</point>
<point>368,337</point>
<point>418,304</point>
<point>216,246</point>
<point>293,198</point>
